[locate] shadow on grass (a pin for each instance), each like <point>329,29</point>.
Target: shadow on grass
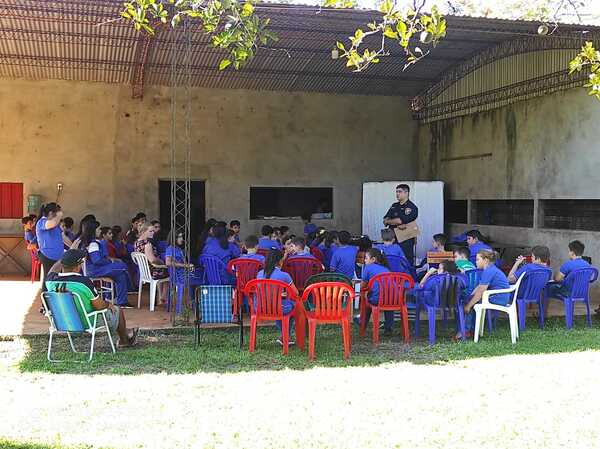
<point>173,352</point>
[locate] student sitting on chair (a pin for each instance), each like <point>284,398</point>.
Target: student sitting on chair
<point>461,258</point>
<point>343,259</point>
<point>29,233</point>
<point>67,227</point>
<point>251,244</point>
<point>540,257</point>
<point>445,266</point>
<point>299,249</point>
<point>389,246</point>
<point>476,244</point>
<point>575,262</point>
<point>233,246</point>
<point>235,226</point>
<point>266,241</point>
<point>327,246</point>
<point>491,279</point>
<point>376,263</point>
<point>68,269</point>
<point>219,245</point>
<point>273,271</point>
<point>100,265</point>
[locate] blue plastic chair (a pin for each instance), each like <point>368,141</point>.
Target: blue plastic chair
<point>214,271</point>
<point>579,282</point>
<point>473,277</point>
<point>399,264</point>
<point>445,296</point>
<point>531,292</point>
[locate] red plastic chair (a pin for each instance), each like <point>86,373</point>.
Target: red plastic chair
<point>302,268</point>
<point>331,303</point>
<point>244,270</point>
<point>392,290</point>
<point>263,252</point>
<point>35,265</point>
<point>265,297</point>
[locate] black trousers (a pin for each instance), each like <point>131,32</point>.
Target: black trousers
<point>408,246</point>
<point>47,264</point>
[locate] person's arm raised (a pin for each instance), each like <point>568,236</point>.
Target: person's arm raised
<point>54,221</point>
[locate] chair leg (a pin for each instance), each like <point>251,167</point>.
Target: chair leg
<point>522,307</point>
<point>285,334</point>
<point>140,293</point>
<point>514,328</point>
<point>431,318</point>
<point>347,338</point>
<point>49,354</point>
<point>93,338</point>
<point>569,313</point>
<point>375,319</point>
<point>110,339</point>
<point>588,314</point>
<point>478,330</point>
<point>300,327</point>
<point>312,333</point>
<point>252,340</point>
<point>153,287</point>
<point>489,322</point>
<point>405,328</point>
<point>71,342</point>
<point>363,317</point>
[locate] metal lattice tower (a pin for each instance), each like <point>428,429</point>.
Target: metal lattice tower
<point>181,146</point>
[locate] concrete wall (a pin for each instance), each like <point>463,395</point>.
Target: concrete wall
<point>545,148</point>
<point>109,151</point>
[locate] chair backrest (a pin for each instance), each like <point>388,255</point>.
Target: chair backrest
<point>244,270</point>
<point>329,277</point>
<point>82,301</point>
<point>141,261</point>
<point>579,282</point>
<point>315,251</point>
<point>301,269</point>
<point>263,252</point>
<point>533,283</point>
<point>329,300</point>
<point>448,290</point>
<point>214,268</point>
<point>265,296</point>
<point>399,264</point>
<point>473,277</point>
<point>392,288</point>
<point>62,311</point>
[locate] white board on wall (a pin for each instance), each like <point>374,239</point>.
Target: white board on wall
<point>427,196</point>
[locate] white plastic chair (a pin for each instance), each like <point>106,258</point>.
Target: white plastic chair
<point>105,284</point>
<point>145,276</point>
<point>510,309</point>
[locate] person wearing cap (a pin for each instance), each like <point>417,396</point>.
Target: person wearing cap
<point>68,269</point>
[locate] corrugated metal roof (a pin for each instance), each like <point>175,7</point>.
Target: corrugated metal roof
<point>84,40</point>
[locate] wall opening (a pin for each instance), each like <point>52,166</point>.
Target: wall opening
<point>517,213</point>
<point>456,211</point>
<point>290,202</point>
<point>570,214</point>
<point>11,200</point>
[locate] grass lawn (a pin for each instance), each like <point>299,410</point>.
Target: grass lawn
<point>166,393</point>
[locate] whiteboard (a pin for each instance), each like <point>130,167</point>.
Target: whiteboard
<point>427,196</point>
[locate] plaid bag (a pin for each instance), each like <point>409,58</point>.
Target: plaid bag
<point>216,303</point>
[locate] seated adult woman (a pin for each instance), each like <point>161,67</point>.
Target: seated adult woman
<point>98,264</point>
<point>158,269</point>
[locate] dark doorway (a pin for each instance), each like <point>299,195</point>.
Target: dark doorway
<point>197,212</point>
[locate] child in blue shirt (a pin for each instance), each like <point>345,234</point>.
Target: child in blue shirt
<point>540,258</point>
<point>474,240</point>
<point>461,258</point>
<point>266,241</point>
<point>176,261</point>
<point>343,259</point>
<point>299,249</point>
<point>67,228</point>
<point>235,226</point>
<point>327,246</point>
<point>389,246</point>
<point>491,279</point>
<point>575,262</point>
<point>233,246</point>
<point>218,246</point>
<point>376,263</point>
<point>273,270</point>
<point>251,244</point>
<point>28,233</point>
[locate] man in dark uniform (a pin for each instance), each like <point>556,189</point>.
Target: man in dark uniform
<point>399,215</point>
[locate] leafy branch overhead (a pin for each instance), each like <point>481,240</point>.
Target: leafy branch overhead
<point>588,58</point>
<point>233,26</point>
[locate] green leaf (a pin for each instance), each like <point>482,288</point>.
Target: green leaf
<point>340,46</point>
<point>224,64</point>
<point>388,32</point>
<point>386,6</point>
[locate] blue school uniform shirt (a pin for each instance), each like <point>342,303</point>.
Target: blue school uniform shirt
<point>369,272</point>
<point>30,237</point>
<point>529,267</point>
<point>70,235</point>
<point>302,254</point>
<point>50,241</point>
<point>265,243</point>
<point>391,250</point>
<point>475,248</point>
<point>495,280</point>
<point>212,248</point>
<point>571,265</point>
<point>277,275</point>
<point>177,255</point>
<point>327,254</point>
<point>433,283</point>
<point>258,257</point>
<point>344,260</point>
<point>309,228</point>
<point>235,250</point>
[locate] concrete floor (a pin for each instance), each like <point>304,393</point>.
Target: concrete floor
<point>21,304</point>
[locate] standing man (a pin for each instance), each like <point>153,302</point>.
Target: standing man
<point>399,215</point>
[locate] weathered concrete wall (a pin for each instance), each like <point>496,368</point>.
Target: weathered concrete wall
<point>109,151</point>
<point>545,148</point>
